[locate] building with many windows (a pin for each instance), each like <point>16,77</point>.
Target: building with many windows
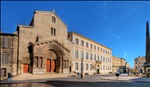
<point>138,64</point>
<point>96,57</point>
<point>8,53</point>
<point>46,46</point>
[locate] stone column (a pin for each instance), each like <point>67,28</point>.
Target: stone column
<point>39,62</point>
<point>51,65</point>
<point>35,61</point>
<point>43,62</point>
<point>61,63</point>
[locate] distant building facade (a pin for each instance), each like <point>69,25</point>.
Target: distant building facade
<point>46,46</point>
<point>138,64</point>
<point>119,65</point>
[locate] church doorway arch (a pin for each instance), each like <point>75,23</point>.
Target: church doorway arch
<point>53,61</point>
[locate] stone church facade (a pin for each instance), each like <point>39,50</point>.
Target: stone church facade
<point>42,47</point>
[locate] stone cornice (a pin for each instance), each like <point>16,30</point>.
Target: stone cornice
<point>24,26</point>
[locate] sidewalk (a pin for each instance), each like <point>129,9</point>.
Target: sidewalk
<point>128,78</point>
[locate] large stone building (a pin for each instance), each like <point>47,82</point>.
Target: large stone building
<point>45,46</point>
<point>138,64</point>
<point>96,57</point>
<point>119,65</point>
<point>8,53</point>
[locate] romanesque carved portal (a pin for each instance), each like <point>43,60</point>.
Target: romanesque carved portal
<point>52,62</point>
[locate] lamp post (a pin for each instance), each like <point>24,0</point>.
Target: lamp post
<point>81,67</point>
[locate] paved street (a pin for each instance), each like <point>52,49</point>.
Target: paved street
<point>88,81</point>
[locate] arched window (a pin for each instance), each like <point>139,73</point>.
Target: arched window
<point>53,19</point>
<point>4,59</point>
<point>5,42</point>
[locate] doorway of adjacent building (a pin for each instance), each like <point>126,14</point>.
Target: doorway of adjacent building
<point>48,65</point>
<point>70,69</point>
<point>26,68</point>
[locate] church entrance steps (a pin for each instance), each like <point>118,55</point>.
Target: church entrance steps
<point>29,76</point>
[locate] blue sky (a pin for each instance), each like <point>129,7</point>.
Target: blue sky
<point>120,26</point>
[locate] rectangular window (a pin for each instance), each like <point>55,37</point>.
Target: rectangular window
<point>76,41</point>
<point>76,66</point>
<point>91,57</point>
<point>82,43</point>
<point>82,54</point>
<point>136,67</point>
<point>5,42</point>
<point>87,45</point>
<point>101,49</point>
<point>94,57</point>
<point>94,47</point>
<point>103,59</point>
<point>98,57</point>
<point>135,62</point>
<point>4,57</point>
<point>53,31</point>
<point>103,67</point>
<point>87,55</point>
<point>97,48</point>
<point>91,66</point>
<point>76,53</point>
<point>87,66</point>
<point>91,46</point>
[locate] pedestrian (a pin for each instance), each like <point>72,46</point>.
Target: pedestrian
<point>9,77</point>
<point>134,73</point>
<point>78,74</point>
<point>117,75</point>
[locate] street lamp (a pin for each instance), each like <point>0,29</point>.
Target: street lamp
<point>81,67</point>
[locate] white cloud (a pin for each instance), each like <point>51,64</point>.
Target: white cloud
<point>104,9</point>
<point>125,54</point>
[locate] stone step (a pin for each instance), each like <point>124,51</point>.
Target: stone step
<point>29,76</point>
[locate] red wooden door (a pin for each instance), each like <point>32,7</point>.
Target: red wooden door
<point>53,66</point>
<point>26,68</point>
<point>48,64</point>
